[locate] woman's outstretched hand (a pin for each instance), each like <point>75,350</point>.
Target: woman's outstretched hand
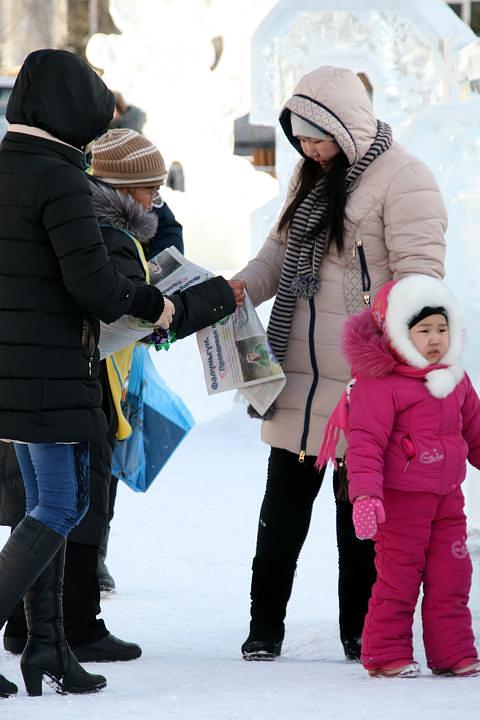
<point>238,287</point>
<point>167,315</point>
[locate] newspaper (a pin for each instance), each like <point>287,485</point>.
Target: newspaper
<point>236,354</point>
<point>169,271</point>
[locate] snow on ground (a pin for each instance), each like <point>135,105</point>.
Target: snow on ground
<point>181,557</point>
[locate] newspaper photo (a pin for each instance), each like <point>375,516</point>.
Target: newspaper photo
<point>169,271</point>
<point>236,354</point>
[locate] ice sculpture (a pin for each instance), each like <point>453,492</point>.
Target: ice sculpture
<point>161,62</point>
<point>405,48</point>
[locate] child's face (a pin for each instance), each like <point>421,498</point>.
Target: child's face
<point>430,337</point>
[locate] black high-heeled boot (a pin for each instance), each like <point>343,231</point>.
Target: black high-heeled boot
<point>7,688</point>
<point>47,653</point>
<point>27,551</point>
<point>24,556</point>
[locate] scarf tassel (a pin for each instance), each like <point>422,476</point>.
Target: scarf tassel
<point>337,422</point>
<point>304,286</point>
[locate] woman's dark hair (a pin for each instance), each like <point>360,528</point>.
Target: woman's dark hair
<point>336,191</point>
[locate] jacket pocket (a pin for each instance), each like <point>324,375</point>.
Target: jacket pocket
<point>409,450</point>
<point>88,342</point>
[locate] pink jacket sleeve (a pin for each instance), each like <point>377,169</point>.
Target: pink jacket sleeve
<point>370,424</point>
<point>471,423</point>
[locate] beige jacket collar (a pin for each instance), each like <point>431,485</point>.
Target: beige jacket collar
<point>38,132</point>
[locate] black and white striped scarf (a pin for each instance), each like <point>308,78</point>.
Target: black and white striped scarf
<point>304,253</point>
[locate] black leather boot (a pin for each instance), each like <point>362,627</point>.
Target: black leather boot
<point>89,639</point>
<point>7,688</point>
<point>47,653</point>
<point>15,634</point>
<point>23,558</point>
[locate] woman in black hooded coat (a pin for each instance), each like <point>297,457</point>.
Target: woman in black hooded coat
<point>56,280</point>
<point>195,308</point>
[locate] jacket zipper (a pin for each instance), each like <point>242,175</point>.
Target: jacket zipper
<point>366,281</point>
<point>88,341</point>
<point>313,387</point>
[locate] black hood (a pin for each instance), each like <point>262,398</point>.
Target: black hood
<point>59,92</point>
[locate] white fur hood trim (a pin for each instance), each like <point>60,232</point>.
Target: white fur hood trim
<point>442,382</point>
<point>406,298</point>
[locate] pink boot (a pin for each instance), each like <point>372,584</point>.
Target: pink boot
<point>397,669</point>
<point>468,667</point>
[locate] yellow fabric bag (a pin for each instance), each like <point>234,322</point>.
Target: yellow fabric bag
<point>119,364</point>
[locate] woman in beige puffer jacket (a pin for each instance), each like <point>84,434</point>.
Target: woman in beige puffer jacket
<point>360,211</point>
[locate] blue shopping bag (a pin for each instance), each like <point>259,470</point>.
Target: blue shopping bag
<point>159,420</point>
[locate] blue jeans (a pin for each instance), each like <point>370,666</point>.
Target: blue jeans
<point>56,479</point>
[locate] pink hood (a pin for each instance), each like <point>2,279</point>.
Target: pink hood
<point>377,342</point>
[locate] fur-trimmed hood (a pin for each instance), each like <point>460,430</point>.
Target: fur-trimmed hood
<point>121,211</point>
<point>367,350</point>
<point>376,342</point>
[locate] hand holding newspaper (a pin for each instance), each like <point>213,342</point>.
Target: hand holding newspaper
<point>169,271</point>
<point>235,352</point>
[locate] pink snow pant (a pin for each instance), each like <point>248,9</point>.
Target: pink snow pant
<point>421,540</point>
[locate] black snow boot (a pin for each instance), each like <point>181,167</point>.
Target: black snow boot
<point>263,643</point>
<point>7,688</point>
<point>270,591</point>
<point>47,653</point>
<point>352,649</point>
<point>105,579</point>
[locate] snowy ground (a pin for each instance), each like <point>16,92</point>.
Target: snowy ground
<point>181,557</point>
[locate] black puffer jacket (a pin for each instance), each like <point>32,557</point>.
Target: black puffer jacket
<point>12,493</point>
<point>195,308</point>
<point>55,275</point>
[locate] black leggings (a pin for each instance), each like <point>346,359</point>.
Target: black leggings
<point>283,526</point>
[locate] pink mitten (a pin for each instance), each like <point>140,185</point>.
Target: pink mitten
<point>368,513</point>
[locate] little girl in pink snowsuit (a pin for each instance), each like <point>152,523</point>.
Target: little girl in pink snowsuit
<point>412,420</point>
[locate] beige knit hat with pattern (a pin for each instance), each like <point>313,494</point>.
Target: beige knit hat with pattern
<point>125,158</point>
